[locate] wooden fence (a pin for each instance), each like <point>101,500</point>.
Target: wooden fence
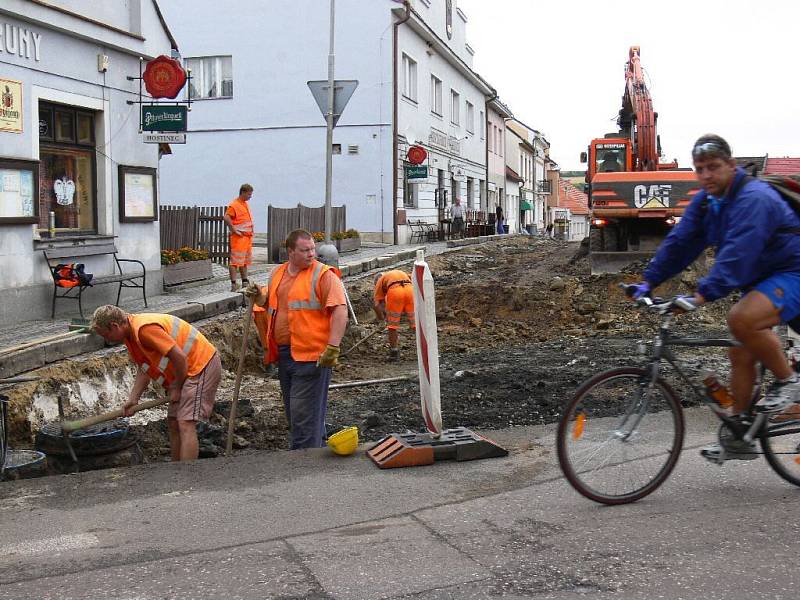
<point>197,227</point>
<point>281,221</point>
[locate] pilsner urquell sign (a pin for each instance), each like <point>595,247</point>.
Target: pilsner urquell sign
<point>163,118</point>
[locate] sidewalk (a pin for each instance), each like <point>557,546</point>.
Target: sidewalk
<point>191,302</point>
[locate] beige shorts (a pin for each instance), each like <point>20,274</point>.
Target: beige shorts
<point>198,393</point>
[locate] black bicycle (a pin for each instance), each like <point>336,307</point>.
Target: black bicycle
<point>621,434</point>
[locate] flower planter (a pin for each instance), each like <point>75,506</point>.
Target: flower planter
<point>348,244</point>
<point>184,272</point>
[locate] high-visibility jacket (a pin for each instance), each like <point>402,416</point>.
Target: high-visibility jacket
<point>195,346</point>
<point>390,279</point>
<point>309,319</point>
<point>239,212</point>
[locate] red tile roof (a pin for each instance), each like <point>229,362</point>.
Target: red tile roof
<point>569,197</point>
<point>782,166</point>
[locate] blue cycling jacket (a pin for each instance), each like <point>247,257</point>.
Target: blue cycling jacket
<point>744,231</point>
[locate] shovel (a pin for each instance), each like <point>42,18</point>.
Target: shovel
<point>237,384</point>
<point>69,426</point>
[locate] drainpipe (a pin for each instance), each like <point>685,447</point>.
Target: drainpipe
<point>395,111</point>
<point>486,144</point>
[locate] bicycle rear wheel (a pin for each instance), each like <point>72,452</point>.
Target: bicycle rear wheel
<point>781,446</point>
<point>616,442</point>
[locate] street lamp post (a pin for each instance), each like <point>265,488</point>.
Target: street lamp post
<point>327,252</point>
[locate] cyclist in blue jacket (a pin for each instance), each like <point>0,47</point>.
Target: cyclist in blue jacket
<point>756,236</point>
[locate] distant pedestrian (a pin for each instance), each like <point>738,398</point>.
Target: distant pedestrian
<point>240,223</point>
<point>306,318</point>
<point>499,219</point>
<point>457,213</point>
<point>171,352</point>
<point>549,230</point>
<point>393,297</point>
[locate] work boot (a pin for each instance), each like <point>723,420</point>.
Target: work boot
<point>234,286</point>
<point>394,354</point>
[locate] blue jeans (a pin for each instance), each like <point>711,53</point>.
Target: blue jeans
<point>305,397</point>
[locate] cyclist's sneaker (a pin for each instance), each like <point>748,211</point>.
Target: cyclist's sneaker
<point>735,450</point>
<point>779,396</point>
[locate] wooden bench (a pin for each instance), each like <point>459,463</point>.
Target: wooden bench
<point>125,279</point>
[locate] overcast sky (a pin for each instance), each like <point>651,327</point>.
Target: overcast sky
<point>728,67</point>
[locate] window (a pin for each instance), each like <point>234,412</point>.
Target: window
<point>470,117</point>
<point>455,107</point>
<point>436,95</point>
<point>66,168</point>
<point>409,78</point>
<point>212,77</point>
<point>410,192</point>
<point>482,124</point>
<point>490,143</point>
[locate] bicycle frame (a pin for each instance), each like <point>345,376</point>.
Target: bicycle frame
<point>746,429</point>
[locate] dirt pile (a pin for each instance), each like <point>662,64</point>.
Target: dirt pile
<point>521,323</point>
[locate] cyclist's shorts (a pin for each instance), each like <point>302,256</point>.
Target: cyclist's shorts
<point>783,289</point>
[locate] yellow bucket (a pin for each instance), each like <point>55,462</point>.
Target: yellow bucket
<point>345,441</point>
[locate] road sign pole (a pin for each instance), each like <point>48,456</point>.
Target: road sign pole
<point>327,251</point>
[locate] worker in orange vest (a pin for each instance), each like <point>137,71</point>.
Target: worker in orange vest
<point>306,315</point>
<point>394,297</point>
<point>171,352</point>
<point>240,223</point>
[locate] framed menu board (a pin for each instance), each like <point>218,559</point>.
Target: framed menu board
<point>138,196</point>
<point>19,191</point>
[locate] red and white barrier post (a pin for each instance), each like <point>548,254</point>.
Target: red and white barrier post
<point>427,345</point>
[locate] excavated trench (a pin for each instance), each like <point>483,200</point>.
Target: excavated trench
<point>521,324</point>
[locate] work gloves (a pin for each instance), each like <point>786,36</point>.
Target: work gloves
<point>252,291</point>
<point>329,358</point>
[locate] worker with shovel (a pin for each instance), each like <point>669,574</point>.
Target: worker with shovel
<point>173,353</point>
<point>394,297</point>
<point>306,319</point>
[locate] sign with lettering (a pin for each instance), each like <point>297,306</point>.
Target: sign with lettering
<point>417,172</point>
<point>10,105</point>
<point>164,138</point>
<point>20,41</point>
<point>437,138</point>
<point>163,118</point>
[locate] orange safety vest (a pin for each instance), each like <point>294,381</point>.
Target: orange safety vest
<point>391,278</point>
<point>241,217</point>
<point>309,320</point>
<point>195,346</point>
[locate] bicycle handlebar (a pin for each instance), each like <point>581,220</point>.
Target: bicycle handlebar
<point>675,305</point>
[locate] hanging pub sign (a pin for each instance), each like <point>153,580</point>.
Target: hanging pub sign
<point>163,117</point>
<point>417,172</point>
<point>416,155</point>
<point>164,77</point>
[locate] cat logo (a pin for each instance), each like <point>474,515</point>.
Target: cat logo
<point>652,196</point>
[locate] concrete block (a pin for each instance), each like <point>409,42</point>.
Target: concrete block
<point>21,362</point>
<point>386,260</point>
<point>187,312</point>
<point>371,264</point>
<point>72,346</point>
<point>216,304</point>
<point>345,270</point>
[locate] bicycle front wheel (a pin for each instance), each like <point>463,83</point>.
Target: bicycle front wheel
<point>619,438</point>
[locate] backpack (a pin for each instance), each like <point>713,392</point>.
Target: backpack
<point>71,275</point>
<point>787,186</point>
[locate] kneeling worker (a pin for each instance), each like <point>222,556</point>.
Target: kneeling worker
<point>393,297</point>
<point>173,353</point>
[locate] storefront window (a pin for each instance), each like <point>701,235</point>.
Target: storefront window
<point>66,169</point>
<point>66,187</point>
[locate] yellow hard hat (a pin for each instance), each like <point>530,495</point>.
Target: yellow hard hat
<point>345,441</point>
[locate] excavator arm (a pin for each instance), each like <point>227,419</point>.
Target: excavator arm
<point>637,120</point>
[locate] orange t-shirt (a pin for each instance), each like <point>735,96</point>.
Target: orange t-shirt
<point>153,338</point>
<point>388,278</point>
<point>331,294</point>
<point>239,212</point>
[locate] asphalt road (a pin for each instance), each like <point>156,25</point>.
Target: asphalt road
<point>312,525</point>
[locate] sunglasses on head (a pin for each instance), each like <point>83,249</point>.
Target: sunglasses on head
<point>709,148</point>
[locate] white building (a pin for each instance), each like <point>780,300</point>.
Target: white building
<point>66,133</point>
<point>256,121</point>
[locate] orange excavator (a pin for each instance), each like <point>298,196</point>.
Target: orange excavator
<point>634,198</point>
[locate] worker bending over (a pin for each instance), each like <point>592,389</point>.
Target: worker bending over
<point>169,351</point>
<point>393,297</point>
